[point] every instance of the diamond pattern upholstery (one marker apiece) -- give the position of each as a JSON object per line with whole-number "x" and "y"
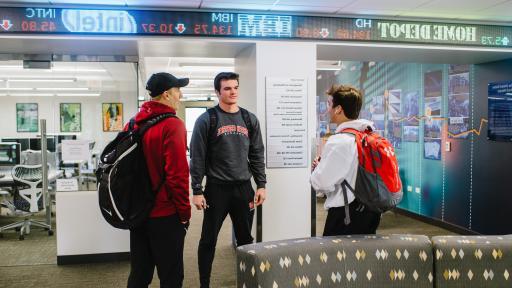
{"x": 344, "y": 261}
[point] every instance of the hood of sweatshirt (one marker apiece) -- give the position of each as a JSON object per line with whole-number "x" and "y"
{"x": 151, "y": 109}
{"x": 359, "y": 124}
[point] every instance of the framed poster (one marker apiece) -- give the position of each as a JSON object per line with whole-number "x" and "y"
{"x": 27, "y": 117}
{"x": 112, "y": 115}
{"x": 70, "y": 117}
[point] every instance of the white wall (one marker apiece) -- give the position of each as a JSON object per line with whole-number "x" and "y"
{"x": 287, "y": 210}
{"x": 92, "y": 127}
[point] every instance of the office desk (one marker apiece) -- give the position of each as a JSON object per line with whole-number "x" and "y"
{"x": 83, "y": 235}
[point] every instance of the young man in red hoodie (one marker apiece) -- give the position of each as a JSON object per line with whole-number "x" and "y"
{"x": 159, "y": 242}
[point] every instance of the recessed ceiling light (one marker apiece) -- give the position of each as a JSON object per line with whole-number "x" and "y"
{"x": 31, "y": 95}
{"x": 16, "y": 89}
{"x": 197, "y": 88}
{"x": 41, "y": 80}
{"x": 78, "y": 94}
{"x": 63, "y": 69}
{"x": 63, "y": 88}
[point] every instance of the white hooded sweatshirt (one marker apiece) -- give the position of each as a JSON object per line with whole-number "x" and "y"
{"x": 338, "y": 162}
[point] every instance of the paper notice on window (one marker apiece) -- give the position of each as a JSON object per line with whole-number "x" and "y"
{"x": 65, "y": 185}
{"x": 75, "y": 150}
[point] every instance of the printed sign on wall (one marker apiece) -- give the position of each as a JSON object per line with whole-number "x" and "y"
{"x": 286, "y": 108}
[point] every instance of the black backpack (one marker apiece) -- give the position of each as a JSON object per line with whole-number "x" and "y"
{"x": 124, "y": 187}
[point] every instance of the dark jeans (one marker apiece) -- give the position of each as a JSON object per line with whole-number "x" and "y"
{"x": 362, "y": 220}
{"x": 158, "y": 242}
{"x": 223, "y": 199}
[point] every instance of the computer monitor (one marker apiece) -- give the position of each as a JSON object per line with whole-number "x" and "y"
{"x": 35, "y": 144}
{"x": 51, "y": 144}
{"x": 24, "y": 142}
{"x": 10, "y": 154}
{"x": 65, "y": 137}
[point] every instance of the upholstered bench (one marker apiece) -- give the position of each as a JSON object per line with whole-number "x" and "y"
{"x": 473, "y": 261}
{"x": 345, "y": 261}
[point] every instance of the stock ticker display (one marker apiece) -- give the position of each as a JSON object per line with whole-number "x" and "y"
{"x": 245, "y": 25}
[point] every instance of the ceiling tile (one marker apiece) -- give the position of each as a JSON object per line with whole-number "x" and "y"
{"x": 385, "y": 5}
{"x": 325, "y": 3}
{"x": 305, "y": 9}
{"x": 456, "y": 7}
{"x": 235, "y": 5}
{"x": 503, "y": 9}
{"x": 164, "y": 3}
{"x": 241, "y": 3}
{"x": 374, "y": 12}
{"x": 89, "y": 2}
{"x": 24, "y": 1}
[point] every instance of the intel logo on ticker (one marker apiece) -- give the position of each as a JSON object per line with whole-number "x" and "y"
{"x": 98, "y": 21}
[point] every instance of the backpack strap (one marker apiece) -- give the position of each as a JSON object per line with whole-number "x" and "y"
{"x": 144, "y": 128}
{"x": 247, "y": 119}
{"x": 131, "y": 124}
{"x": 152, "y": 121}
{"x": 212, "y": 113}
{"x": 344, "y": 186}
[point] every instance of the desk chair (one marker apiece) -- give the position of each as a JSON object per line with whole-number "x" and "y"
{"x": 33, "y": 157}
{"x": 28, "y": 198}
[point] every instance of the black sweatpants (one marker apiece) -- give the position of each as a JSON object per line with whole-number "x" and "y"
{"x": 235, "y": 199}
{"x": 159, "y": 242}
{"x": 362, "y": 220}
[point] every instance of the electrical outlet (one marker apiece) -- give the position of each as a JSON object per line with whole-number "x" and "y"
{"x": 418, "y": 190}
{"x": 409, "y": 188}
{"x": 448, "y": 146}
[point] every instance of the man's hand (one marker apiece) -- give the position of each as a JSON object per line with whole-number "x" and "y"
{"x": 261, "y": 195}
{"x": 315, "y": 163}
{"x": 200, "y": 202}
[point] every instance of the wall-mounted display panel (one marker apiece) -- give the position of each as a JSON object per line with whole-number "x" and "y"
{"x": 38, "y": 20}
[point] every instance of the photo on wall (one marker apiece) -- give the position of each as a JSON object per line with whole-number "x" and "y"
{"x": 457, "y": 126}
{"x": 432, "y": 149}
{"x": 395, "y": 134}
{"x": 27, "y": 117}
{"x": 458, "y": 68}
{"x": 70, "y": 117}
{"x": 112, "y": 115}
{"x": 433, "y": 128}
{"x": 433, "y": 84}
{"x": 412, "y": 108}
{"x": 411, "y": 133}
{"x": 377, "y": 106}
{"x": 458, "y": 105}
{"x": 458, "y": 83}
{"x": 433, "y": 106}
{"x": 394, "y": 104}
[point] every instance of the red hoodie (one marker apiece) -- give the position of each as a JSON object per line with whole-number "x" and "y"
{"x": 165, "y": 148}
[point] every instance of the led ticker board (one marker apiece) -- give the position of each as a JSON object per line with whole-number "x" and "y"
{"x": 245, "y": 25}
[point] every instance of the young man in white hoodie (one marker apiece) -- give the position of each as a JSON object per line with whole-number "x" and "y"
{"x": 339, "y": 162}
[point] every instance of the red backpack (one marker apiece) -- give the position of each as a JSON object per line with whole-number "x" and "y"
{"x": 380, "y": 191}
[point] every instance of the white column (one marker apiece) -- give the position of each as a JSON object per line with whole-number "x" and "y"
{"x": 287, "y": 210}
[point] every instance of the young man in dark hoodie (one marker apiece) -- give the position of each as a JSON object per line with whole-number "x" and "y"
{"x": 159, "y": 242}
{"x": 228, "y": 152}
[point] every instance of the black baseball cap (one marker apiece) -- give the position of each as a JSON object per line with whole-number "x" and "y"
{"x": 160, "y": 82}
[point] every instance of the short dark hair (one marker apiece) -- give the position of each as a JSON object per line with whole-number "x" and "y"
{"x": 348, "y": 97}
{"x": 224, "y": 76}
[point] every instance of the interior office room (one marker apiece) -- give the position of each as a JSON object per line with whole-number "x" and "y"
{"x": 442, "y": 104}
